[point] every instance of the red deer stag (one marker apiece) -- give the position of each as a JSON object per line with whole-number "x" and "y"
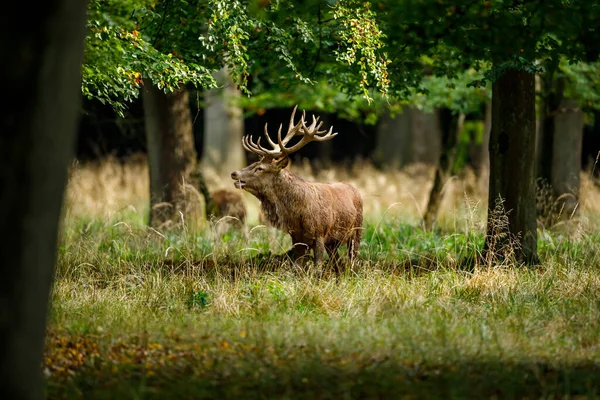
{"x": 317, "y": 216}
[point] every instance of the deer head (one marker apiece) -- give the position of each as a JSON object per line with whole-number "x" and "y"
{"x": 260, "y": 176}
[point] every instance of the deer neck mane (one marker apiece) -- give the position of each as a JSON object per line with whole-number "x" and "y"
{"x": 288, "y": 189}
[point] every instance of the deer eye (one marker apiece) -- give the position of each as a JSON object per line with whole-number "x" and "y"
{"x": 260, "y": 169}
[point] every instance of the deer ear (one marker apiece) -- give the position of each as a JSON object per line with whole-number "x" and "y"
{"x": 281, "y": 164}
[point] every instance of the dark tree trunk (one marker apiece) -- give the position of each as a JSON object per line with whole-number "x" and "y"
{"x": 552, "y": 90}
{"x": 450, "y": 126}
{"x": 479, "y": 151}
{"x": 590, "y": 155}
{"x": 566, "y": 157}
{"x": 483, "y": 173}
{"x": 391, "y": 148}
{"x": 41, "y": 69}
{"x": 512, "y": 161}
{"x": 171, "y": 155}
{"x": 425, "y": 137}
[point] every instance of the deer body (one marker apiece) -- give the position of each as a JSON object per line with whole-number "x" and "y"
{"x": 317, "y": 216}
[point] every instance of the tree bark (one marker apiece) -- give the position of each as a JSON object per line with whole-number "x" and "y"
{"x": 171, "y": 155}
{"x": 590, "y": 155}
{"x": 450, "y": 127}
{"x": 483, "y": 173}
{"x": 41, "y": 70}
{"x": 425, "y": 137}
{"x": 479, "y": 151}
{"x": 223, "y": 126}
{"x": 512, "y": 162}
{"x": 566, "y": 157}
{"x": 552, "y": 90}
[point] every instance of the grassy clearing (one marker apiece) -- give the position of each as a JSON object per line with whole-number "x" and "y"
{"x": 188, "y": 314}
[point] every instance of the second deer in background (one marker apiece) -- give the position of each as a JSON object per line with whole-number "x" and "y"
{"x": 223, "y": 207}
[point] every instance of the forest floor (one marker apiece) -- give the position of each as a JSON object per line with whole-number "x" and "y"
{"x": 197, "y": 313}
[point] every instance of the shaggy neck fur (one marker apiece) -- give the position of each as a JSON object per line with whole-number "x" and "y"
{"x": 288, "y": 189}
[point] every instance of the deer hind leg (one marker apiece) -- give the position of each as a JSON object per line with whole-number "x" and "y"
{"x": 354, "y": 243}
{"x": 334, "y": 257}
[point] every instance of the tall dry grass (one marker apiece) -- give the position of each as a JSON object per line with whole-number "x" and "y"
{"x": 103, "y": 189}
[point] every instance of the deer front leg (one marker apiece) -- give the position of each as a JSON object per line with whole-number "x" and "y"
{"x": 319, "y": 250}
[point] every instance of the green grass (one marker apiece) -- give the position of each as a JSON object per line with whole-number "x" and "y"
{"x": 140, "y": 314}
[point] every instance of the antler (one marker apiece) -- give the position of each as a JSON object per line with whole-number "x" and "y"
{"x": 309, "y": 134}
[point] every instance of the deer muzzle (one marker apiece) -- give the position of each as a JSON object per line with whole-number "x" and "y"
{"x": 235, "y": 175}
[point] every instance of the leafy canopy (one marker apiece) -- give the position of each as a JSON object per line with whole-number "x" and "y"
{"x": 175, "y": 42}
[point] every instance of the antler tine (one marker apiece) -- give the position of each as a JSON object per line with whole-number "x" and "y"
{"x": 293, "y": 129}
{"x": 291, "y": 125}
{"x": 247, "y": 144}
{"x": 330, "y": 134}
{"x": 255, "y": 148}
{"x": 313, "y": 129}
{"x": 309, "y": 134}
{"x": 271, "y": 143}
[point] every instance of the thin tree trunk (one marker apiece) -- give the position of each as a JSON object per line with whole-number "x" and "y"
{"x": 450, "y": 127}
{"x": 171, "y": 155}
{"x": 223, "y": 126}
{"x": 392, "y": 139}
{"x": 425, "y": 137}
{"x": 552, "y": 90}
{"x": 590, "y": 157}
{"x": 41, "y": 70}
{"x": 484, "y": 162}
{"x": 479, "y": 150}
{"x": 512, "y": 162}
{"x": 566, "y": 157}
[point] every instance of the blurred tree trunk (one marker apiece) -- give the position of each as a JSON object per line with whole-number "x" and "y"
{"x": 590, "y": 155}
{"x": 392, "y": 137}
{"x": 512, "y": 162}
{"x": 223, "y": 126}
{"x": 552, "y": 94}
{"x": 450, "y": 128}
{"x": 566, "y": 157}
{"x": 425, "y": 137}
{"x": 41, "y": 69}
{"x": 559, "y": 146}
{"x": 479, "y": 151}
{"x": 483, "y": 171}
{"x": 171, "y": 155}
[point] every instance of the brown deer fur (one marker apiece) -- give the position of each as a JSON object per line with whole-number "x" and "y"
{"x": 317, "y": 216}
